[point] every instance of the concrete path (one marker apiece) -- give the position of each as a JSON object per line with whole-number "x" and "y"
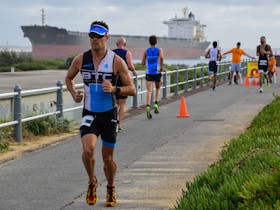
{"x": 155, "y": 157}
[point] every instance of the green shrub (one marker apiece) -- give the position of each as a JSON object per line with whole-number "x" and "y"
{"x": 7, "y": 58}
{"x": 24, "y": 62}
{"x": 5, "y": 69}
{"x": 48, "y": 125}
{"x": 5, "y": 136}
{"x": 29, "y": 66}
{"x": 67, "y": 63}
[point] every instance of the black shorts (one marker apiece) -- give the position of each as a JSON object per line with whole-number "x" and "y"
{"x": 263, "y": 65}
{"x": 101, "y": 123}
{"x": 263, "y": 68}
{"x": 213, "y": 67}
{"x": 153, "y": 77}
{"x": 118, "y": 96}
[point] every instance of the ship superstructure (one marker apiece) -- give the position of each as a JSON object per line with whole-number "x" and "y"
{"x": 186, "y": 27}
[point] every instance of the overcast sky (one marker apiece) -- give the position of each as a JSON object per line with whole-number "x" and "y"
{"x": 227, "y": 21}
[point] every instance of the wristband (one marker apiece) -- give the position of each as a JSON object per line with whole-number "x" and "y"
{"x": 118, "y": 90}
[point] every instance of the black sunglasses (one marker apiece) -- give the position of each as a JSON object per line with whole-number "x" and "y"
{"x": 95, "y": 35}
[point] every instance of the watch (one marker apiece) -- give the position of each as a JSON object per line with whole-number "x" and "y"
{"x": 118, "y": 90}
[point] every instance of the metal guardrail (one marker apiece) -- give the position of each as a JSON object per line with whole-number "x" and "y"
{"x": 180, "y": 80}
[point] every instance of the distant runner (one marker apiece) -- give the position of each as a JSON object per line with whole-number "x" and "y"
{"x": 272, "y": 69}
{"x": 263, "y": 51}
{"x": 153, "y": 59}
{"x": 237, "y": 52}
{"x": 214, "y": 55}
{"x": 127, "y": 57}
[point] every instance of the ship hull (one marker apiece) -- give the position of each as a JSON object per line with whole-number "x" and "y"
{"x": 53, "y": 42}
{"x": 65, "y": 51}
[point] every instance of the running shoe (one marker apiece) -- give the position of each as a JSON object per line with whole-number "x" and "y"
{"x": 148, "y": 112}
{"x": 268, "y": 84}
{"x": 156, "y": 108}
{"x": 111, "y": 200}
{"x": 261, "y": 90}
{"x": 229, "y": 83}
{"x": 91, "y": 197}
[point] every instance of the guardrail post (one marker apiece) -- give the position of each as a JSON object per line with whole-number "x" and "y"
{"x": 222, "y": 71}
{"x": 17, "y": 114}
{"x": 246, "y": 67}
{"x": 226, "y": 70}
{"x": 186, "y": 75}
{"x": 59, "y": 99}
{"x": 164, "y": 91}
{"x": 135, "y": 98}
{"x": 201, "y": 76}
{"x": 176, "y": 80}
{"x": 194, "y": 77}
{"x": 218, "y": 72}
{"x": 229, "y": 69}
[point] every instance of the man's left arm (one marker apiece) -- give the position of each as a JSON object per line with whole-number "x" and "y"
{"x": 161, "y": 57}
{"x": 128, "y": 88}
{"x": 269, "y": 52}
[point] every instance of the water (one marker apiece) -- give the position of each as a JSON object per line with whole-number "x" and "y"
{"x": 187, "y": 62}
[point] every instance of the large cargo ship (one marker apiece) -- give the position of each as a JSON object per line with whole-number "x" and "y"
{"x": 185, "y": 40}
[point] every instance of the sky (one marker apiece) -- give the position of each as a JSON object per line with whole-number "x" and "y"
{"x": 227, "y": 21}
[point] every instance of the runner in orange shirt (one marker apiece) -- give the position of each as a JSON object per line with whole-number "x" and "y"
{"x": 236, "y": 61}
{"x": 271, "y": 67}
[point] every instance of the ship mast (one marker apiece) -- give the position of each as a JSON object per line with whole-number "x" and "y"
{"x": 185, "y": 12}
{"x": 43, "y": 16}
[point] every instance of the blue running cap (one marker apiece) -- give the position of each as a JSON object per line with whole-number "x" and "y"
{"x": 98, "y": 29}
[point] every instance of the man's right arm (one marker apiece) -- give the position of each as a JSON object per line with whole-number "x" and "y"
{"x": 258, "y": 50}
{"x": 161, "y": 57}
{"x": 69, "y": 79}
{"x": 227, "y": 52}
{"x": 144, "y": 59}
{"x": 207, "y": 54}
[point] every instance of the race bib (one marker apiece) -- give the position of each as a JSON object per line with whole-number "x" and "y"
{"x": 87, "y": 120}
{"x": 263, "y": 63}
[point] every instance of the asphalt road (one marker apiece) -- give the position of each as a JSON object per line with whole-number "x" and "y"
{"x": 155, "y": 157}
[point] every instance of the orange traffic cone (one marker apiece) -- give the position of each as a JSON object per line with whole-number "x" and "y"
{"x": 254, "y": 82}
{"x": 247, "y": 82}
{"x": 183, "y": 112}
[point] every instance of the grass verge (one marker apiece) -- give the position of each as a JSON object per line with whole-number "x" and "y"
{"x": 248, "y": 174}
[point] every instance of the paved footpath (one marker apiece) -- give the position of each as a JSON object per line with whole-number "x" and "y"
{"x": 155, "y": 157}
